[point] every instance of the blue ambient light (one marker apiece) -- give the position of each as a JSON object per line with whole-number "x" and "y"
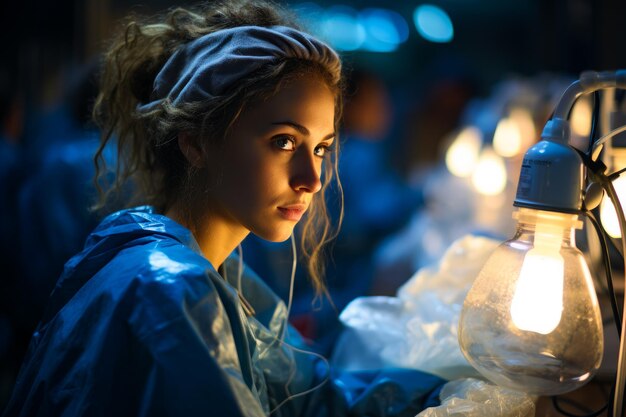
{"x": 433, "y": 23}
{"x": 385, "y": 29}
{"x": 342, "y": 28}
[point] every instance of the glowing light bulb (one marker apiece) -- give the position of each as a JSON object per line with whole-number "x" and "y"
{"x": 531, "y": 321}
{"x": 489, "y": 177}
{"x": 507, "y": 139}
{"x": 538, "y": 301}
{"x": 608, "y": 216}
{"x": 462, "y": 155}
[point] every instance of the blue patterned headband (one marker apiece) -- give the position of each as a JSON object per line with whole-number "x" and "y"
{"x": 207, "y": 66}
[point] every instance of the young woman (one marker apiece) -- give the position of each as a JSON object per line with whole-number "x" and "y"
{"x": 225, "y": 118}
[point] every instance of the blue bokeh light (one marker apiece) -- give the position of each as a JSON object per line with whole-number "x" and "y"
{"x": 433, "y": 23}
{"x": 348, "y": 29}
{"x": 342, "y": 28}
{"x": 385, "y": 29}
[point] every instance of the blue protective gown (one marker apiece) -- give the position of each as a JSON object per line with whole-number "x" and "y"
{"x": 141, "y": 324}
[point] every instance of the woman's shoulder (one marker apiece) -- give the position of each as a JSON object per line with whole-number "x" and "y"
{"x": 133, "y": 256}
{"x": 166, "y": 272}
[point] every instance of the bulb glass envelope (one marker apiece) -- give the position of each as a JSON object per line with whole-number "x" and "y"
{"x": 540, "y": 333}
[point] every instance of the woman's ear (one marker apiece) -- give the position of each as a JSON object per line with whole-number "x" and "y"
{"x": 191, "y": 150}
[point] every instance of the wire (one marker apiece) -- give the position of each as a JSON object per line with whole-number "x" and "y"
{"x": 594, "y": 121}
{"x": 239, "y": 267}
{"x": 248, "y": 309}
{"x": 293, "y": 348}
{"x": 620, "y": 380}
{"x": 616, "y": 174}
{"x": 608, "y": 136}
{"x": 310, "y": 390}
{"x": 616, "y": 245}
{"x": 294, "y": 263}
{"x": 605, "y": 182}
{"x": 582, "y": 408}
{"x": 245, "y": 304}
{"x": 557, "y": 407}
{"x": 292, "y": 280}
{"x": 606, "y": 261}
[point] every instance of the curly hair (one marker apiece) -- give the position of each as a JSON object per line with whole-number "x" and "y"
{"x": 148, "y": 155}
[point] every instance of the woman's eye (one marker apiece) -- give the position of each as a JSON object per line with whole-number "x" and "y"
{"x": 322, "y": 150}
{"x": 286, "y": 143}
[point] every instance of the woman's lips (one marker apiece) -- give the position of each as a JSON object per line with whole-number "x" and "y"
{"x": 292, "y": 212}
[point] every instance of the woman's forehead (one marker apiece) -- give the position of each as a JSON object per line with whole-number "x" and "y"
{"x": 302, "y": 101}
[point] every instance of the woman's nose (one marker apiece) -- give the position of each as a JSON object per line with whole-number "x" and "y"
{"x": 306, "y": 172}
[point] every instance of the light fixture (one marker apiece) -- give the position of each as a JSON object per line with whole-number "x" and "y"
{"x": 531, "y": 321}
{"x": 507, "y": 139}
{"x": 462, "y": 155}
{"x": 489, "y": 176}
{"x": 523, "y": 119}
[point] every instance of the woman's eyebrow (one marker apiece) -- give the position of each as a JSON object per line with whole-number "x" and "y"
{"x": 301, "y": 129}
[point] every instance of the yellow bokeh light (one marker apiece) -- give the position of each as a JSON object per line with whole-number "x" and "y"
{"x": 462, "y": 155}
{"x": 489, "y": 177}
{"x": 507, "y": 139}
{"x": 580, "y": 118}
{"x": 526, "y": 125}
{"x": 608, "y": 216}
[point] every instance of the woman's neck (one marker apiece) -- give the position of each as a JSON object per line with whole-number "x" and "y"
{"x": 216, "y": 236}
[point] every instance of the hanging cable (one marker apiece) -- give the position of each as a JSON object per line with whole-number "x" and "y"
{"x": 594, "y": 122}
{"x": 293, "y": 348}
{"x": 606, "y": 261}
{"x": 608, "y": 136}
{"x": 294, "y": 263}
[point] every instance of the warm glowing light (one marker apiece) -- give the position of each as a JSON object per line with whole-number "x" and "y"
{"x": 531, "y": 303}
{"x": 489, "y": 177}
{"x": 525, "y": 124}
{"x": 538, "y": 300}
{"x": 462, "y": 155}
{"x": 580, "y": 119}
{"x": 507, "y": 139}
{"x": 433, "y": 23}
{"x": 608, "y": 216}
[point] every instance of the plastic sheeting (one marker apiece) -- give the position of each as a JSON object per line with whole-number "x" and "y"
{"x": 418, "y": 328}
{"x": 140, "y": 323}
{"x": 476, "y": 398}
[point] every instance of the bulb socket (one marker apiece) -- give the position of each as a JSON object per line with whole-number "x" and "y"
{"x": 551, "y": 177}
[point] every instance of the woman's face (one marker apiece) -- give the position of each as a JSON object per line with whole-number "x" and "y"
{"x": 272, "y": 159}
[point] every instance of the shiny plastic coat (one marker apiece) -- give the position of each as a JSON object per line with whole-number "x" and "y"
{"x": 141, "y": 324}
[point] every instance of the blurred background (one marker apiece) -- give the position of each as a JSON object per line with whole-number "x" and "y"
{"x": 443, "y": 97}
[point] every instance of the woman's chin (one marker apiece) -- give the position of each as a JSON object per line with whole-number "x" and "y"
{"x": 278, "y": 234}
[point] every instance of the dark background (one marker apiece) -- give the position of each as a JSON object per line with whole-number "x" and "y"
{"x": 492, "y": 38}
